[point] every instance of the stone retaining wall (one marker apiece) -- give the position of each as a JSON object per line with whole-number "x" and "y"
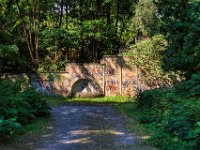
{"x": 111, "y": 77}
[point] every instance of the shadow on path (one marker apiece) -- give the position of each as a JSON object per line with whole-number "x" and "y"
{"x": 82, "y": 128}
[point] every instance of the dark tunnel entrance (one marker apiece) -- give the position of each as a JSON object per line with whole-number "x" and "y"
{"x": 86, "y": 88}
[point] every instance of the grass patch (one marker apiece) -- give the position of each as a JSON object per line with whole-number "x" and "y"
{"x": 101, "y": 100}
{"x": 36, "y": 126}
{"x": 129, "y": 110}
{"x": 59, "y": 100}
{"x": 55, "y": 100}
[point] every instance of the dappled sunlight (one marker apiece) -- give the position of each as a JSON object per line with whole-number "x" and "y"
{"x": 68, "y": 112}
{"x": 50, "y": 127}
{"x": 88, "y": 132}
{"x": 85, "y": 127}
{"x": 73, "y": 110}
{"x": 115, "y": 132}
{"x": 47, "y": 135}
{"x": 102, "y": 126}
{"x": 95, "y": 115}
{"x": 146, "y": 137}
{"x": 111, "y": 118}
{"x": 76, "y": 141}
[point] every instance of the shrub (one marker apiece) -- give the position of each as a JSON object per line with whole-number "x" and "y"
{"x": 181, "y": 130}
{"x": 149, "y": 98}
{"x": 189, "y": 88}
{"x": 146, "y": 56}
{"x": 176, "y": 119}
{"x": 184, "y": 121}
{"x": 38, "y": 105}
{"x": 8, "y": 126}
{"x": 152, "y": 104}
{"x": 19, "y": 104}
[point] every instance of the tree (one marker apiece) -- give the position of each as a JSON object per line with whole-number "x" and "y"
{"x": 145, "y": 19}
{"x": 145, "y": 55}
{"x": 180, "y": 24}
{"x": 50, "y": 33}
{"x": 143, "y": 23}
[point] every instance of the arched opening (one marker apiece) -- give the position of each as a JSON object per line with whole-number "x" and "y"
{"x": 86, "y": 88}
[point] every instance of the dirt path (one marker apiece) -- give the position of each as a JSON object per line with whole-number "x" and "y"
{"x": 82, "y": 128}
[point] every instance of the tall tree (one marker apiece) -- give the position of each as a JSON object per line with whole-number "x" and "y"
{"x": 180, "y": 24}
{"x": 146, "y": 19}
{"x": 49, "y": 31}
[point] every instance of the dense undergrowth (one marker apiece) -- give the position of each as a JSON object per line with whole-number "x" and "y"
{"x": 20, "y": 105}
{"x": 173, "y": 115}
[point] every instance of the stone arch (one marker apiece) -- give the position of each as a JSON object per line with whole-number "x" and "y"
{"x": 86, "y": 88}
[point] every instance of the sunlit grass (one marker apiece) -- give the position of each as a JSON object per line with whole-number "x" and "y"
{"x": 106, "y": 99}
{"x": 129, "y": 110}
{"x": 59, "y": 100}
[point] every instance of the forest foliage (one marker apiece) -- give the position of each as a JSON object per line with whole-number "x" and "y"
{"x": 47, "y": 34}
{"x": 19, "y": 105}
{"x": 163, "y": 38}
{"x": 146, "y": 56}
{"x": 173, "y": 113}
{"x": 44, "y": 35}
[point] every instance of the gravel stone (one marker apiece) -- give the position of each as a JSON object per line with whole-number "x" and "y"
{"x": 82, "y": 127}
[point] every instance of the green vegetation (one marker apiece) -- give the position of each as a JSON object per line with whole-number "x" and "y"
{"x": 171, "y": 112}
{"x": 101, "y": 100}
{"x": 173, "y": 118}
{"x": 145, "y": 55}
{"x": 55, "y": 100}
{"x": 58, "y": 100}
{"x": 163, "y": 38}
{"x": 37, "y": 126}
{"x": 129, "y": 110}
{"x": 19, "y": 106}
{"x": 180, "y": 24}
{"x": 189, "y": 88}
{"x": 49, "y": 33}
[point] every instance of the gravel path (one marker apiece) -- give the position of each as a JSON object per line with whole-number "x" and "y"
{"x": 82, "y": 128}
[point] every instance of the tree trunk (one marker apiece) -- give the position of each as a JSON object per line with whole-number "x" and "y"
{"x": 108, "y": 13}
{"x": 61, "y": 13}
{"x": 67, "y": 13}
{"x": 26, "y": 33}
{"x": 123, "y": 27}
{"x": 98, "y": 8}
{"x": 36, "y": 28}
{"x": 81, "y": 54}
{"x": 117, "y": 18}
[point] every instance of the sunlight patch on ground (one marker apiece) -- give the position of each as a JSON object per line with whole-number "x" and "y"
{"x": 81, "y": 140}
{"x": 85, "y": 132}
{"x": 145, "y": 137}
